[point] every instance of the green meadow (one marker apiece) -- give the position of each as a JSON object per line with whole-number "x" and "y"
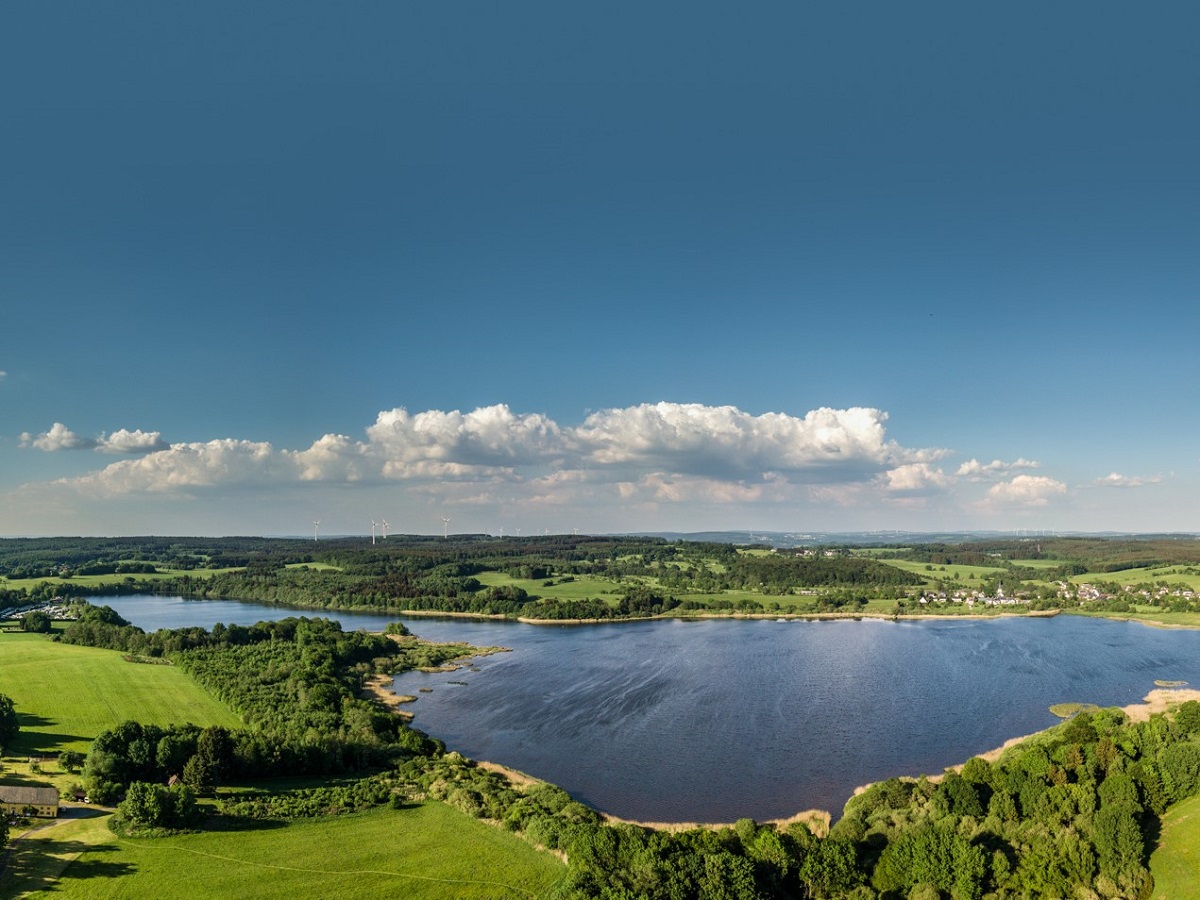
{"x": 97, "y": 581}
{"x": 1185, "y": 575}
{"x": 582, "y": 588}
{"x": 1176, "y": 861}
{"x": 425, "y": 852}
{"x": 933, "y": 573}
{"x": 65, "y": 695}
{"x": 1037, "y": 563}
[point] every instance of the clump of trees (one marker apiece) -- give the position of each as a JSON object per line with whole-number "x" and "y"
{"x": 10, "y": 725}
{"x": 296, "y": 683}
{"x": 155, "y": 809}
{"x": 37, "y": 621}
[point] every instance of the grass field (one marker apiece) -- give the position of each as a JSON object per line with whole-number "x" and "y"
{"x": 1175, "y": 864}
{"x": 583, "y": 587}
{"x": 427, "y": 852}
{"x": 1170, "y": 574}
{"x": 943, "y": 573}
{"x": 66, "y": 695}
{"x": 105, "y": 580}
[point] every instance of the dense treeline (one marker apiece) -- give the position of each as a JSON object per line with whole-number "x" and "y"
{"x": 434, "y": 574}
{"x": 1071, "y": 813}
{"x": 1078, "y": 554}
{"x": 296, "y": 683}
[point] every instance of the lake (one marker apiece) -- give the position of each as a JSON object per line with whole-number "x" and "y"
{"x": 719, "y": 719}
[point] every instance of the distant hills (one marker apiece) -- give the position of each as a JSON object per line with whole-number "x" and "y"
{"x": 824, "y": 538}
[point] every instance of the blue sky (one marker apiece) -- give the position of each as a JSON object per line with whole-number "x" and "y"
{"x": 631, "y": 267}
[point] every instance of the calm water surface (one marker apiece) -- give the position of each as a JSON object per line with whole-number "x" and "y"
{"x": 714, "y": 720}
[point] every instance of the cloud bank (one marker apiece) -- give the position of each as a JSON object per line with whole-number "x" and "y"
{"x": 631, "y": 460}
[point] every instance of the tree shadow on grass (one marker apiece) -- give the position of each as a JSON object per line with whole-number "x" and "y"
{"x": 216, "y": 822}
{"x": 43, "y": 740}
{"x": 27, "y": 869}
{"x": 98, "y": 868}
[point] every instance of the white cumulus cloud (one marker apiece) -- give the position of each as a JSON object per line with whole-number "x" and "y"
{"x": 59, "y": 437}
{"x": 1113, "y": 479}
{"x": 720, "y": 441}
{"x": 208, "y": 464}
{"x": 915, "y": 478}
{"x": 125, "y": 441}
{"x": 489, "y": 436}
{"x": 1026, "y": 490}
{"x": 974, "y": 470}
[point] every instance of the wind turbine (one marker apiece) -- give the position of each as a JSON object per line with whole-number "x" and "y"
{"x": 372, "y": 532}
{"x": 316, "y": 525}
{"x": 385, "y": 528}
{"x": 445, "y": 526}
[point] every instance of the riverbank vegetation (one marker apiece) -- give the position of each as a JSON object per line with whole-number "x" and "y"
{"x": 582, "y": 578}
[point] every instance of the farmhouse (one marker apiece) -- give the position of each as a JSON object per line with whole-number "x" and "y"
{"x": 29, "y": 801}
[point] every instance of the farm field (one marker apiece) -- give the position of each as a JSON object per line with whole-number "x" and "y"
{"x": 1186, "y": 575}
{"x": 1037, "y": 563}
{"x": 425, "y": 852}
{"x": 1175, "y": 862}
{"x": 78, "y": 692}
{"x": 96, "y": 581}
{"x": 943, "y": 573}
{"x": 583, "y": 587}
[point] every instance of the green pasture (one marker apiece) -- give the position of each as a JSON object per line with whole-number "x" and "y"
{"x": 426, "y": 852}
{"x": 1185, "y": 575}
{"x": 315, "y": 566}
{"x": 583, "y": 587}
{"x": 946, "y": 572}
{"x": 96, "y": 581}
{"x": 1039, "y": 563}
{"x": 1175, "y": 863}
{"x": 65, "y": 695}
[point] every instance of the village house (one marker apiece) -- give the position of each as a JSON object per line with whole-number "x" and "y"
{"x": 29, "y": 801}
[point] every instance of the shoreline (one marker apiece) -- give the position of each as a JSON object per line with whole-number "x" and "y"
{"x": 1157, "y": 700}
{"x": 702, "y": 615}
{"x": 819, "y": 821}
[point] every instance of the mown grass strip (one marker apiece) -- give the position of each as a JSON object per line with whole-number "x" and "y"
{"x": 1175, "y": 865}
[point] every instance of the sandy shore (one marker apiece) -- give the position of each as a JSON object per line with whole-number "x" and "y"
{"x": 379, "y": 689}
{"x": 817, "y": 820}
{"x": 1159, "y": 700}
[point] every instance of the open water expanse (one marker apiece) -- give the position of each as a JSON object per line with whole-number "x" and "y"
{"x": 719, "y": 719}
